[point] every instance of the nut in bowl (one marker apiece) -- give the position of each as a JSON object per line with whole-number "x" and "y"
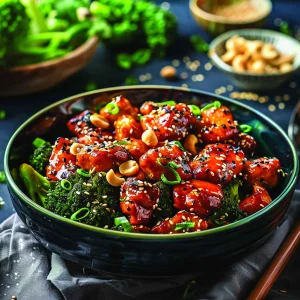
{"x": 256, "y": 59}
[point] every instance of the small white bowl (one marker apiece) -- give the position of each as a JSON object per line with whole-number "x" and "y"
{"x": 251, "y": 81}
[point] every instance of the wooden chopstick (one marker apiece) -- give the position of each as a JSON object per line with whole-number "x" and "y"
{"x": 277, "y": 265}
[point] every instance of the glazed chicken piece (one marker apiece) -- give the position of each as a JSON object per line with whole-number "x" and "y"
{"x": 101, "y": 157}
{"x": 263, "y": 172}
{"x": 200, "y": 197}
{"x": 80, "y": 124}
{"x": 138, "y": 199}
{"x": 95, "y": 136}
{"x": 61, "y": 163}
{"x": 167, "y": 153}
{"x": 124, "y": 107}
{"x": 218, "y": 163}
{"x": 169, "y": 122}
{"x": 169, "y": 225}
{"x": 245, "y": 142}
{"x": 135, "y": 147}
{"x": 147, "y": 107}
{"x": 216, "y": 125}
{"x": 255, "y": 202}
{"x": 126, "y": 127}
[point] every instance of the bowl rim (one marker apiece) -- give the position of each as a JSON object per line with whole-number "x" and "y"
{"x": 226, "y": 35}
{"x": 150, "y": 236}
{"x": 89, "y": 43}
{"x": 201, "y": 13}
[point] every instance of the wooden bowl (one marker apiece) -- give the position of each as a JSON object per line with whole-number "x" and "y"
{"x": 216, "y": 24}
{"x": 38, "y": 77}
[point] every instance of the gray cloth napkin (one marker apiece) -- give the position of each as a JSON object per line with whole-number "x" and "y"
{"x": 29, "y": 271}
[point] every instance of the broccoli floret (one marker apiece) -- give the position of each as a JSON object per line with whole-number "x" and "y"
{"x": 229, "y": 211}
{"x": 165, "y": 207}
{"x": 36, "y": 186}
{"x": 40, "y": 158}
{"x": 93, "y": 192}
{"x": 14, "y": 25}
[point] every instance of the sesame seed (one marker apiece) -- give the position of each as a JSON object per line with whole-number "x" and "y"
{"x": 171, "y": 222}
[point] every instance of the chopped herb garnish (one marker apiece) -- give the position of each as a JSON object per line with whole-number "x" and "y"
{"x": 78, "y": 212}
{"x": 184, "y": 225}
{"x": 199, "y": 44}
{"x": 112, "y": 108}
{"x": 195, "y": 109}
{"x": 169, "y": 102}
{"x": 2, "y": 114}
{"x": 66, "y": 184}
{"x": 131, "y": 80}
{"x": 284, "y": 27}
{"x": 177, "y": 143}
{"x": 38, "y": 142}
{"x": 124, "y": 61}
{"x": 171, "y": 166}
{"x": 91, "y": 86}
{"x": 83, "y": 173}
{"x": 245, "y": 128}
{"x": 2, "y": 177}
{"x": 124, "y": 223}
{"x": 121, "y": 143}
{"x": 216, "y": 104}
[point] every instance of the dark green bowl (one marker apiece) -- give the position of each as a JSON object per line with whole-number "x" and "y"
{"x": 149, "y": 254}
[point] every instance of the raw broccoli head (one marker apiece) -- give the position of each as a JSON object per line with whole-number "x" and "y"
{"x": 40, "y": 157}
{"x": 229, "y": 211}
{"x": 94, "y": 193}
{"x": 36, "y": 186}
{"x": 165, "y": 207}
{"x": 14, "y": 25}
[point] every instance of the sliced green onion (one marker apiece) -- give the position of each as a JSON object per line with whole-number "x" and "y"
{"x": 124, "y": 223}
{"x": 38, "y": 142}
{"x": 74, "y": 216}
{"x": 83, "y": 173}
{"x": 245, "y": 128}
{"x": 171, "y": 166}
{"x": 2, "y": 114}
{"x": 169, "y": 102}
{"x": 190, "y": 290}
{"x": 195, "y": 109}
{"x": 177, "y": 143}
{"x": 121, "y": 143}
{"x": 112, "y": 108}
{"x": 184, "y": 225}
{"x": 140, "y": 117}
{"x": 216, "y": 104}
{"x": 66, "y": 184}
{"x": 2, "y": 177}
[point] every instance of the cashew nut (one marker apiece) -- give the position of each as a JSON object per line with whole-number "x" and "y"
{"x": 99, "y": 121}
{"x": 258, "y": 67}
{"x": 129, "y": 168}
{"x": 286, "y": 67}
{"x": 282, "y": 59}
{"x": 228, "y": 56}
{"x": 268, "y": 51}
{"x": 190, "y": 144}
{"x": 230, "y": 43}
{"x": 149, "y": 138}
{"x": 74, "y": 149}
{"x": 238, "y": 63}
{"x": 113, "y": 179}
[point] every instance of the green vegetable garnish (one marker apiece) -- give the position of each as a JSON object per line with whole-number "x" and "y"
{"x": 131, "y": 80}
{"x": 2, "y": 177}
{"x": 124, "y": 223}
{"x": 199, "y": 44}
{"x": 66, "y": 184}
{"x": 171, "y": 166}
{"x": 177, "y": 143}
{"x": 38, "y": 142}
{"x": 184, "y": 225}
{"x": 216, "y": 104}
{"x": 195, "y": 109}
{"x": 79, "y": 211}
{"x": 2, "y": 113}
{"x": 112, "y": 108}
{"x": 245, "y": 128}
{"x": 91, "y": 86}
{"x": 83, "y": 173}
{"x": 284, "y": 27}
{"x": 169, "y": 102}
{"x": 121, "y": 143}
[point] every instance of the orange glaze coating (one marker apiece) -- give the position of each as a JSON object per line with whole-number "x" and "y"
{"x": 218, "y": 163}
{"x": 147, "y": 107}
{"x": 169, "y": 122}
{"x": 126, "y": 126}
{"x": 135, "y": 147}
{"x": 125, "y": 108}
{"x": 263, "y": 172}
{"x": 61, "y": 162}
{"x": 96, "y": 136}
{"x": 138, "y": 199}
{"x": 200, "y": 197}
{"x": 101, "y": 158}
{"x": 167, "y": 153}
{"x": 80, "y": 123}
{"x": 257, "y": 201}
{"x": 245, "y": 142}
{"x": 169, "y": 225}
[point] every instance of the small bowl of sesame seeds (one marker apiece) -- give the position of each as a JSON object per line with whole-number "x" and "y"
{"x": 240, "y": 67}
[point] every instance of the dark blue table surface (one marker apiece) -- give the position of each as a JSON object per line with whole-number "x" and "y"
{"x": 103, "y": 71}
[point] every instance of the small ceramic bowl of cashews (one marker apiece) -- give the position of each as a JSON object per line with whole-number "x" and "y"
{"x": 256, "y": 59}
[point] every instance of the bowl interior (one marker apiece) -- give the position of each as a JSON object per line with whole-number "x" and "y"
{"x": 283, "y": 43}
{"x": 50, "y": 123}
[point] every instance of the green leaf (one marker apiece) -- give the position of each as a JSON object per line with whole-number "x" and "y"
{"x": 141, "y": 57}
{"x": 124, "y": 61}
{"x": 199, "y": 44}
